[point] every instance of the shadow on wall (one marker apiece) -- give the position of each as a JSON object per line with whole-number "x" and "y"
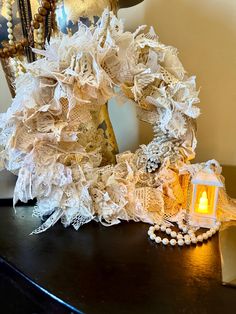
{"x": 129, "y": 130}
{"x": 204, "y": 32}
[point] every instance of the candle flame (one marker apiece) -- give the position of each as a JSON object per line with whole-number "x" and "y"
{"x": 203, "y": 203}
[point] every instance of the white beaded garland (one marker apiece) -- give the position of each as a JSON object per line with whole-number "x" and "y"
{"x": 180, "y": 242}
{"x": 157, "y": 227}
{"x": 187, "y": 236}
{"x": 173, "y": 242}
{"x": 209, "y": 233}
{"x": 199, "y": 238}
{"x": 158, "y": 240}
{"x": 9, "y": 21}
{"x": 8, "y": 5}
{"x": 187, "y": 241}
{"x": 165, "y": 241}
{"x": 39, "y": 37}
{"x": 168, "y": 231}
{"x": 152, "y": 237}
{"x": 163, "y": 228}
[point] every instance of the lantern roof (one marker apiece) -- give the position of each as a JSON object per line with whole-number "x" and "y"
{"x": 207, "y": 178}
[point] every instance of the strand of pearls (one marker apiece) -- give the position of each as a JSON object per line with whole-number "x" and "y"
{"x": 9, "y": 21}
{"x": 11, "y": 49}
{"x": 17, "y": 48}
{"x": 18, "y": 67}
{"x": 186, "y": 237}
{"x": 39, "y": 40}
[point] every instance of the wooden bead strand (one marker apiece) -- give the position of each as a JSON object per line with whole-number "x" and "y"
{"x": 43, "y": 11}
{"x": 53, "y": 15}
{"x": 12, "y": 48}
{"x": 37, "y": 24}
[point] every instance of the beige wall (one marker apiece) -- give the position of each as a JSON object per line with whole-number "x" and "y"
{"x": 204, "y": 31}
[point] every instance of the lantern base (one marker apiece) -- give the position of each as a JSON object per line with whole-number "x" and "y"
{"x": 196, "y": 220}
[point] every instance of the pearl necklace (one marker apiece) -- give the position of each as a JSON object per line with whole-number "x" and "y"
{"x": 186, "y": 237}
{"x": 11, "y": 49}
{"x": 16, "y": 49}
{"x": 9, "y": 21}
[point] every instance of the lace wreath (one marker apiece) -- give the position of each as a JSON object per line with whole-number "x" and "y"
{"x": 51, "y": 143}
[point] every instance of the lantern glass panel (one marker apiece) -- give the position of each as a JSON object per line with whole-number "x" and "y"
{"x": 204, "y": 202}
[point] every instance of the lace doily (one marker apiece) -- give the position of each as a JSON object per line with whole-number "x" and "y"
{"x": 51, "y": 143}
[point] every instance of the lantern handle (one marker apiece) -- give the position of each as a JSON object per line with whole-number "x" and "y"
{"x": 213, "y": 166}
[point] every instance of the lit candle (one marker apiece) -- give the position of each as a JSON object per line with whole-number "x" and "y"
{"x": 203, "y": 203}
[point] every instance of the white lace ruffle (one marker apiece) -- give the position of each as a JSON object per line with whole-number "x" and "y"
{"x": 51, "y": 142}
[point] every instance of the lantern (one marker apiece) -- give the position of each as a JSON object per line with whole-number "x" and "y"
{"x": 204, "y": 199}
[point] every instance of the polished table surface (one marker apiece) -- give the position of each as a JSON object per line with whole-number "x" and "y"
{"x": 112, "y": 270}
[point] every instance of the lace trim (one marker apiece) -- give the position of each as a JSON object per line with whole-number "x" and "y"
{"x": 51, "y": 140}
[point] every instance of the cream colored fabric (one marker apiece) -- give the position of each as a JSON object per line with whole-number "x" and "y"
{"x": 50, "y": 141}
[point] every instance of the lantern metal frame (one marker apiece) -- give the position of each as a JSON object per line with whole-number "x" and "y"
{"x": 208, "y": 180}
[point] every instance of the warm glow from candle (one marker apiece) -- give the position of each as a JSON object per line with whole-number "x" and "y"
{"x": 203, "y": 203}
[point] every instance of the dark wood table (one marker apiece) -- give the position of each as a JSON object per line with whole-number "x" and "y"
{"x": 105, "y": 270}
